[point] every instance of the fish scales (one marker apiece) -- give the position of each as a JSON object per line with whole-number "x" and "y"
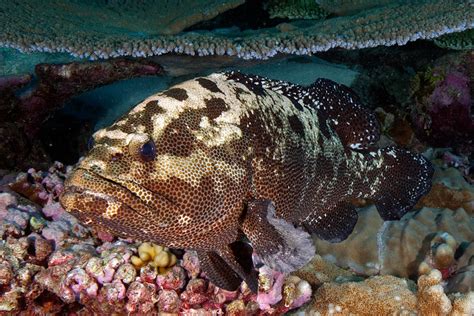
{"x": 231, "y": 161}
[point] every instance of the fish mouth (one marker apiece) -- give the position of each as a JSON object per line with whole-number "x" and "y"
{"x": 81, "y": 185}
{"x": 85, "y": 184}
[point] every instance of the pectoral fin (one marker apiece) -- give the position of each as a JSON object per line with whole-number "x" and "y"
{"x": 228, "y": 266}
{"x": 277, "y": 243}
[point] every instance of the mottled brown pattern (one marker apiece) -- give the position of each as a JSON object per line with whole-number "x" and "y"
{"x": 176, "y": 93}
{"x": 221, "y": 151}
{"x": 154, "y": 107}
{"x": 215, "y": 107}
{"x": 176, "y": 139}
{"x": 209, "y": 85}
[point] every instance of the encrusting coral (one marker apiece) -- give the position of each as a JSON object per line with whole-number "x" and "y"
{"x": 441, "y": 111}
{"x": 392, "y": 24}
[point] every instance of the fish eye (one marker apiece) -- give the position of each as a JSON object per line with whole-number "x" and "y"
{"x": 148, "y": 151}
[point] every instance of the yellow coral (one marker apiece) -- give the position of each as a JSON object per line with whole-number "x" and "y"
{"x": 155, "y": 255}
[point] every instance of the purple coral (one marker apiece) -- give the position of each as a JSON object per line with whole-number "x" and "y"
{"x": 443, "y": 115}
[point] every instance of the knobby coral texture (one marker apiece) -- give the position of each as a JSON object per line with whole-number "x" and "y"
{"x": 133, "y": 29}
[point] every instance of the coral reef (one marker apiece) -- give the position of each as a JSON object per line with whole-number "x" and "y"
{"x": 442, "y": 103}
{"x": 388, "y": 295}
{"x": 50, "y": 264}
{"x": 396, "y": 247}
{"x": 393, "y": 24}
{"x": 25, "y": 111}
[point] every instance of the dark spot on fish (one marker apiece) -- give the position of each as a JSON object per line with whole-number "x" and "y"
{"x": 215, "y": 107}
{"x": 239, "y": 92}
{"x": 209, "y": 85}
{"x": 153, "y": 106}
{"x": 296, "y": 125}
{"x": 278, "y": 122}
{"x": 296, "y": 103}
{"x": 176, "y": 93}
{"x": 177, "y": 138}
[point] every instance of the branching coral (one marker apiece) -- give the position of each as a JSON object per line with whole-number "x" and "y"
{"x": 393, "y": 24}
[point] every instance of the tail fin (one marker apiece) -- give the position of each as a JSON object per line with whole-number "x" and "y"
{"x": 405, "y": 177}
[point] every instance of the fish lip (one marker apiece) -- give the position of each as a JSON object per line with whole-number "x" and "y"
{"x": 80, "y": 190}
{"x": 71, "y": 188}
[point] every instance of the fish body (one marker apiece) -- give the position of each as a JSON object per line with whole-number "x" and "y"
{"x": 218, "y": 160}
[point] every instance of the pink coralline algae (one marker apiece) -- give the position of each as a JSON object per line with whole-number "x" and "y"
{"x": 50, "y": 263}
{"x": 443, "y": 114}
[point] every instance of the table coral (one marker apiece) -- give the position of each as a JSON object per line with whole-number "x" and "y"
{"x": 392, "y": 24}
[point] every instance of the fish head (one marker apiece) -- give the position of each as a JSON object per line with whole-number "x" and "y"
{"x": 169, "y": 171}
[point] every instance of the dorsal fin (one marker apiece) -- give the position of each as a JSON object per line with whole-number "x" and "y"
{"x": 356, "y": 126}
{"x": 256, "y": 84}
